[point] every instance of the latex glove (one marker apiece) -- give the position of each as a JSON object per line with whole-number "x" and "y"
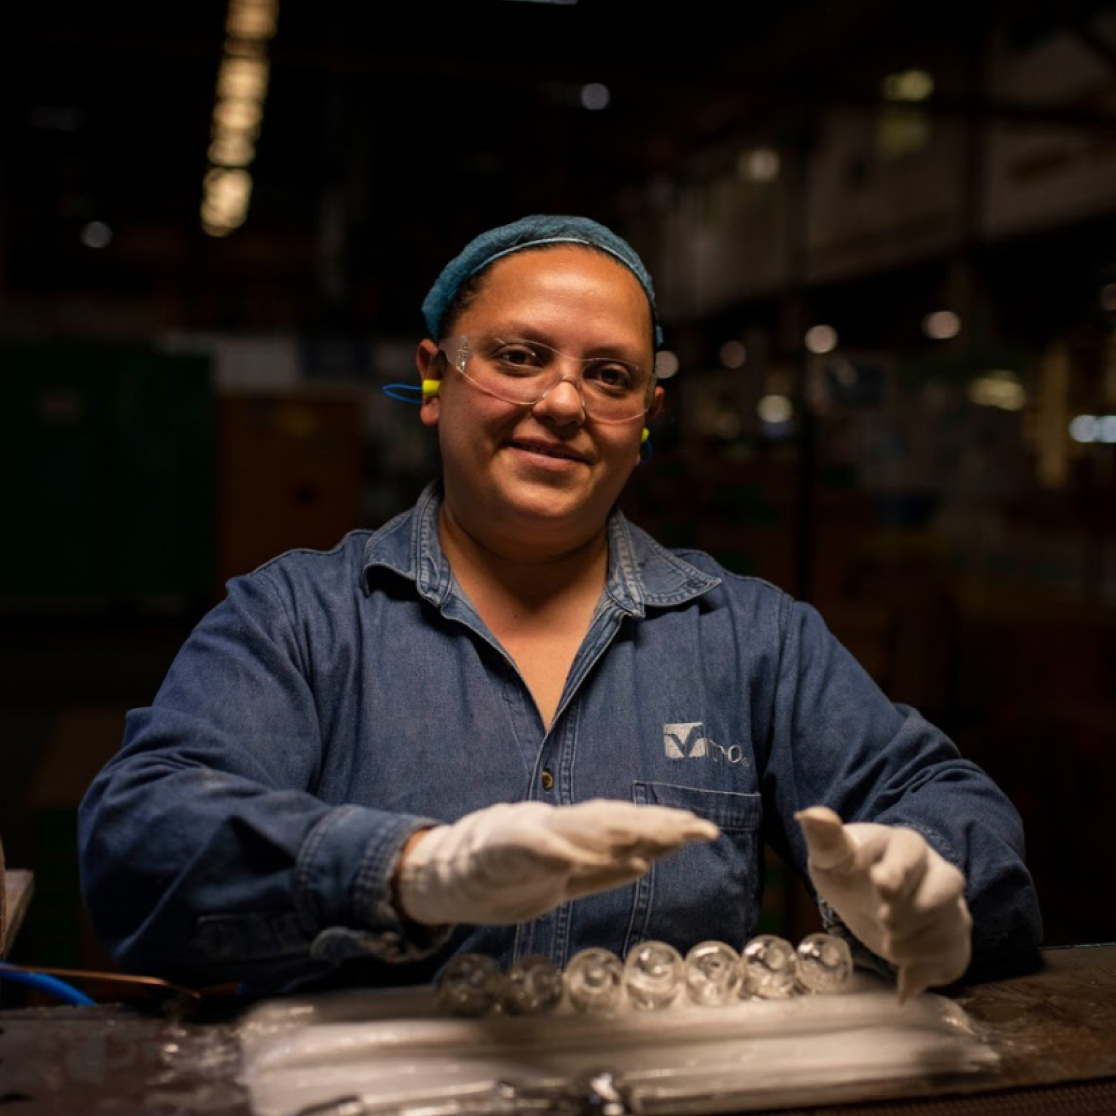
{"x": 515, "y": 861}
{"x": 895, "y": 893}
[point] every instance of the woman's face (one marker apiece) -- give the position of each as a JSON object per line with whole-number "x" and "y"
{"x": 545, "y": 475}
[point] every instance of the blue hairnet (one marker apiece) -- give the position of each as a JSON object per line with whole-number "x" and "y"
{"x": 531, "y": 232}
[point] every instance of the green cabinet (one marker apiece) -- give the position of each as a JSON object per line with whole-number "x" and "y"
{"x": 107, "y": 489}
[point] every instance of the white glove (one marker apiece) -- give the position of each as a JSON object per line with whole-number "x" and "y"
{"x": 895, "y": 893}
{"x": 514, "y": 861}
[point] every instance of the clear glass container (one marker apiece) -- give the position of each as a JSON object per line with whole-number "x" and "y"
{"x": 825, "y": 963}
{"x": 595, "y": 981}
{"x": 471, "y": 984}
{"x": 713, "y": 974}
{"x": 654, "y": 974}
{"x": 532, "y": 986}
{"x": 769, "y": 964}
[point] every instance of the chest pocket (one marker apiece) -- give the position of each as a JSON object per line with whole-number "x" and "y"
{"x": 706, "y": 890}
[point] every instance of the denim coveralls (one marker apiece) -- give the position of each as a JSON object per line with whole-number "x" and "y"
{"x": 335, "y": 702}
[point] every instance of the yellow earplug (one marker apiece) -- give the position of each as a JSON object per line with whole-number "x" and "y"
{"x": 430, "y": 388}
{"x": 644, "y": 435}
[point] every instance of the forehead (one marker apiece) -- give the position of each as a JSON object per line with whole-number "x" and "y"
{"x": 564, "y": 287}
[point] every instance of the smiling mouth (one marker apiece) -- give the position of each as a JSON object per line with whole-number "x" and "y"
{"x": 548, "y": 451}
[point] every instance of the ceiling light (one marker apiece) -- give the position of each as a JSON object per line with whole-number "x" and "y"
{"x": 998, "y": 388}
{"x": 774, "y": 409}
{"x": 821, "y": 339}
{"x": 733, "y": 354}
{"x": 242, "y": 80}
{"x": 758, "y": 165}
{"x": 96, "y": 234}
{"x": 910, "y": 85}
{"x": 941, "y": 325}
{"x": 1093, "y": 428}
{"x": 227, "y": 193}
{"x": 595, "y": 96}
{"x": 666, "y": 364}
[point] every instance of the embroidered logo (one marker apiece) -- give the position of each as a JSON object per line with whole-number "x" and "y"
{"x": 687, "y": 740}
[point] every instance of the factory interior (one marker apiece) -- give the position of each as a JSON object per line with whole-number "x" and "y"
{"x": 883, "y": 240}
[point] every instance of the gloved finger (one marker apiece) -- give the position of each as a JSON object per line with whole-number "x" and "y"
{"x": 583, "y": 854}
{"x": 654, "y": 850}
{"x": 946, "y": 930}
{"x": 666, "y": 828}
{"x": 912, "y": 935}
{"x": 912, "y": 981}
{"x": 619, "y": 875}
{"x": 917, "y": 977}
{"x": 902, "y": 866}
{"x": 942, "y": 886}
{"x": 560, "y": 839}
{"x": 620, "y": 821}
{"x": 626, "y": 826}
{"x": 938, "y": 887}
{"x": 549, "y": 848}
{"x": 828, "y": 845}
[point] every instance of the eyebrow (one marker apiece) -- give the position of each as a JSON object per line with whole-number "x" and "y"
{"x": 521, "y": 332}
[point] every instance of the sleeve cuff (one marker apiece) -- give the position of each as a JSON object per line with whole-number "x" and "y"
{"x": 343, "y": 888}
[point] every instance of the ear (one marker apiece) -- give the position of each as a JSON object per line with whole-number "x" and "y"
{"x": 429, "y": 368}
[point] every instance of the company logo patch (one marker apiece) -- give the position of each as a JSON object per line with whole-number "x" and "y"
{"x": 685, "y": 740}
{"x": 688, "y": 740}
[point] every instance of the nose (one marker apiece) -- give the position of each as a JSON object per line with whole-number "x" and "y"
{"x": 563, "y": 402}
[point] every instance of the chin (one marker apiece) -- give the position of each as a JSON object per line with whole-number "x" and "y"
{"x": 551, "y": 509}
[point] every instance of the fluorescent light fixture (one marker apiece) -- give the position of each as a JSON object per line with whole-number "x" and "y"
{"x": 910, "y": 85}
{"x": 998, "y": 388}
{"x": 241, "y": 91}
{"x": 227, "y": 192}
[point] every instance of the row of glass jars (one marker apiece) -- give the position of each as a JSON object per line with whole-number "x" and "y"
{"x": 653, "y": 976}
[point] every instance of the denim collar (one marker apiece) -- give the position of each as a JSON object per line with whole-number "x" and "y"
{"x": 641, "y": 572}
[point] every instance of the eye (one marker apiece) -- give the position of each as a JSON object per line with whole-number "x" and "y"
{"x": 613, "y": 375}
{"x": 518, "y": 357}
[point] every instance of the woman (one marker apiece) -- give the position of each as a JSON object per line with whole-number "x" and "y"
{"x": 510, "y": 722}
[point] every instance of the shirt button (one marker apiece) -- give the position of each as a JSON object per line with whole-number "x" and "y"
{"x": 547, "y": 780}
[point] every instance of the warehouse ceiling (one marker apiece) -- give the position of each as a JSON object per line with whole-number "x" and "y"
{"x": 392, "y": 132}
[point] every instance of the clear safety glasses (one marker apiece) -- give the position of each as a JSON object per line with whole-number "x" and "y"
{"x": 525, "y": 372}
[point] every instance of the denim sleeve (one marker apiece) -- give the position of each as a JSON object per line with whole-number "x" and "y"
{"x": 836, "y": 740}
{"x": 205, "y": 856}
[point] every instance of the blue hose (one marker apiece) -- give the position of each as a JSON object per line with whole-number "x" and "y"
{"x": 67, "y": 993}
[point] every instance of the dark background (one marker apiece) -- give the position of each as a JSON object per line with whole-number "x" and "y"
{"x": 178, "y": 407}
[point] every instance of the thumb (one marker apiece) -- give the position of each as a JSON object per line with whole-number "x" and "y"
{"x": 909, "y": 983}
{"x": 827, "y": 842}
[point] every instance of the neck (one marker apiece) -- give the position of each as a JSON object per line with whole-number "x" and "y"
{"x": 529, "y": 572}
